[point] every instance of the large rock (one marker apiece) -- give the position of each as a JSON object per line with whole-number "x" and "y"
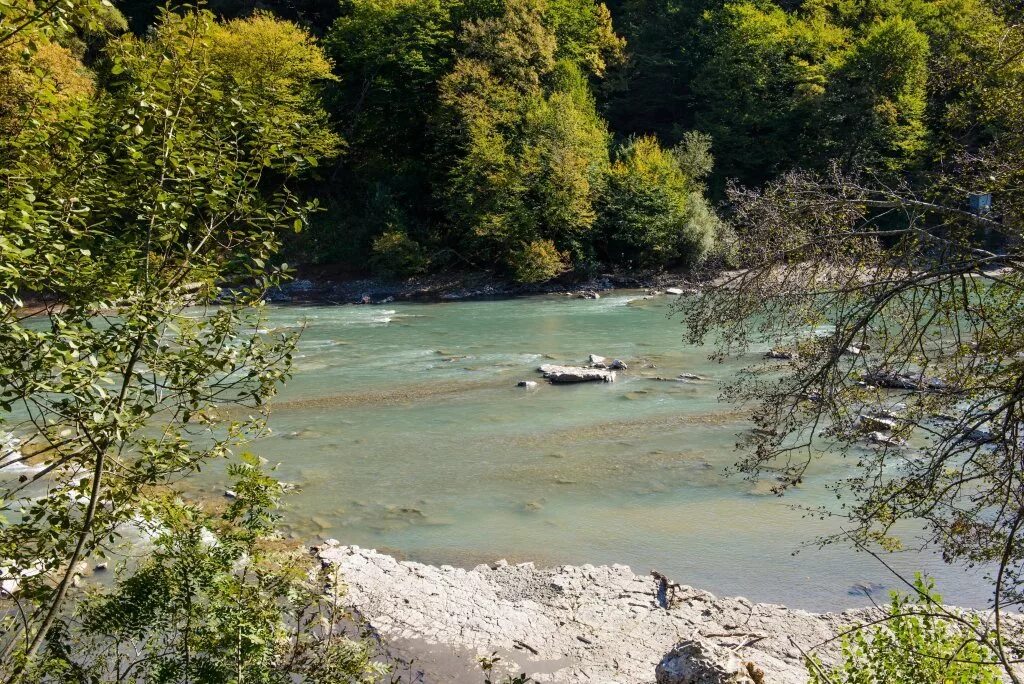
{"x": 569, "y": 374}
{"x": 699, "y": 661}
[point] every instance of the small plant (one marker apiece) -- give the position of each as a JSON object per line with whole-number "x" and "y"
{"x": 397, "y": 254}
{"x": 487, "y": 664}
{"x": 917, "y": 642}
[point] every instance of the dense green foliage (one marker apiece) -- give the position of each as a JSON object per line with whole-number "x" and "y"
{"x": 652, "y": 212}
{"x": 218, "y": 598}
{"x": 473, "y": 133}
{"x": 477, "y": 131}
{"x": 886, "y": 84}
{"x": 157, "y": 181}
{"x": 917, "y": 640}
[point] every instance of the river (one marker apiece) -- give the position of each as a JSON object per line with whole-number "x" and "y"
{"x": 405, "y": 431}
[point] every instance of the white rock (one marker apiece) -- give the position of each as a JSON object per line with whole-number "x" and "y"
{"x": 883, "y": 439}
{"x": 700, "y": 661}
{"x": 568, "y": 374}
{"x": 528, "y": 384}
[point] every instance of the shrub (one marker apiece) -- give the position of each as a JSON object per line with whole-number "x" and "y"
{"x": 652, "y": 213}
{"x": 536, "y": 262}
{"x": 397, "y": 254}
{"x": 220, "y": 597}
{"x": 913, "y": 645}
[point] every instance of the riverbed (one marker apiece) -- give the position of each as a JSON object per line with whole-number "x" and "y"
{"x": 404, "y": 430}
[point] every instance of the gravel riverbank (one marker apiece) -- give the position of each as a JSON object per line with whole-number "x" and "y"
{"x": 574, "y": 623}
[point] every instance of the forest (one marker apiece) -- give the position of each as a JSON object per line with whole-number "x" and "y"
{"x": 535, "y": 138}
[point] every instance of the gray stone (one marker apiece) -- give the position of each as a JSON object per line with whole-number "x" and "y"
{"x": 528, "y": 384}
{"x": 699, "y": 661}
{"x": 882, "y": 439}
{"x": 877, "y": 423}
{"x": 569, "y": 374}
{"x": 904, "y": 381}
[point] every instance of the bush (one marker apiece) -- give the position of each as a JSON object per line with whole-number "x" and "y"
{"x": 536, "y": 262}
{"x": 652, "y": 214}
{"x": 914, "y": 645}
{"x": 220, "y": 597}
{"x": 397, "y": 254}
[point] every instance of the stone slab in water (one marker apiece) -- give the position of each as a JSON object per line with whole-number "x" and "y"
{"x": 568, "y": 374}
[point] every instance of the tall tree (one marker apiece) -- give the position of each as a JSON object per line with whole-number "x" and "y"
{"x": 117, "y": 216}
{"x": 528, "y": 151}
{"x": 903, "y": 305}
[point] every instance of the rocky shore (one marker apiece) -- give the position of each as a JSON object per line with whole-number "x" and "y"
{"x": 309, "y": 288}
{"x": 575, "y": 624}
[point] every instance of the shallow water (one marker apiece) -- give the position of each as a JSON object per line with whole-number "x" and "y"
{"x": 405, "y": 431}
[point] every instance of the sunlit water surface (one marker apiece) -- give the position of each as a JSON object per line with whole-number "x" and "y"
{"x": 405, "y": 431}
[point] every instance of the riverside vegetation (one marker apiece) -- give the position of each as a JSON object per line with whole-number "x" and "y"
{"x": 157, "y": 160}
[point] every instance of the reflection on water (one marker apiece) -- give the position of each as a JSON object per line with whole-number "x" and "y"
{"x": 405, "y": 431}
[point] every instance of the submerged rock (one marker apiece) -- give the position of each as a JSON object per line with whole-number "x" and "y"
{"x": 528, "y": 384}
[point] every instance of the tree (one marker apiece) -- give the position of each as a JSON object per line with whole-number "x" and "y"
{"x": 878, "y": 103}
{"x": 117, "y": 217}
{"x": 917, "y": 640}
{"x": 760, "y": 91}
{"x": 527, "y": 149}
{"x": 903, "y": 306}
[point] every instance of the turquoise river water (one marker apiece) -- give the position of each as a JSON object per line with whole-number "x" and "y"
{"x": 405, "y": 431}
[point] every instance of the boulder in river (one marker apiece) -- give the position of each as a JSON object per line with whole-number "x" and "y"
{"x": 570, "y": 374}
{"x": 904, "y": 381}
{"x": 877, "y": 423}
{"x": 781, "y": 354}
{"x": 528, "y": 384}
